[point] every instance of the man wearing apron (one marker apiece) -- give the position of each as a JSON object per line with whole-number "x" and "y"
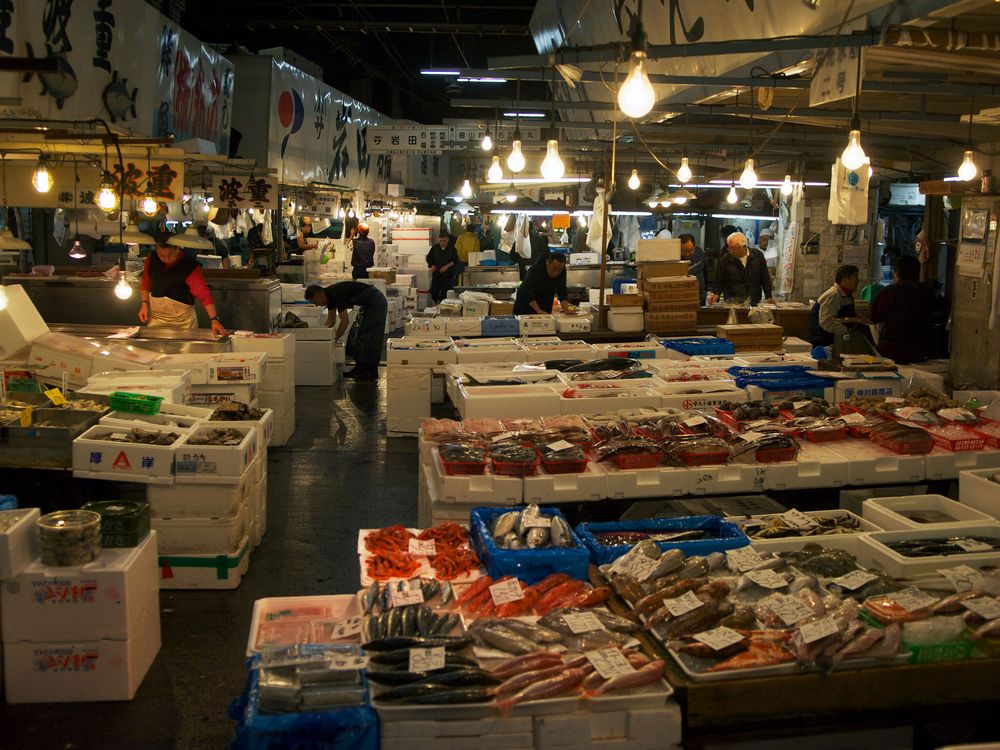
{"x": 835, "y": 303}
{"x": 171, "y": 282}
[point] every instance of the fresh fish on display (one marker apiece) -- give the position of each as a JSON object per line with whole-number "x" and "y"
{"x": 520, "y": 681}
{"x": 527, "y": 663}
{"x": 371, "y": 598}
{"x": 532, "y": 631}
{"x": 544, "y": 689}
{"x": 990, "y": 630}
{"x": 823, "y": 562}
{"x": 450, "y": 643}
{"x": 953, "y": 603}
{"x": 646, "y": 675}
{"x": 594, "y": 640}
{"x": 562, "y": 535}
{"x": 956, "y": 545}
{"x": 757, "y": 654}
{"x": 402, "y": 657}
{"x": 694, "y": 567}
{"x": 460, "y": 678}
{"x": 537, "y": 537}
{"x": 501, "y": 638}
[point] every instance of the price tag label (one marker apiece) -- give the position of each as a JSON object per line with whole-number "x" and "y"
{"x": 405, "y": 597}
{"x": 116, "y": 436}
{"x": 743, "y": 559}
{"x": 800, "y": 404}
{"x": 502, "y": 436}
{"x": 694, "y": 421}
{"x": 719, "y": 638}
{"x": 894, "y": 400}
{"x": 26, "y": 413}
{"x": 767, "y": 578}
{"x": 973, "y": 545}
{"x": 537, "y": 522}
{"x": 818, "y": 629}
{"x": 984, "y": 606}
{"x": 962, "y": 577}
{"x": 422, "y": 547}
{"x": 855, "y": 579}
{"x": 346, "y": 628}
{"x": 682, "y": 604}
{"x": 609, "y": 662}
{"x": 559, "y": 445}
{"x": 797, "y": 519}
{"x": 853, "y": 418}
{"x": 912, "y": 598}
{"x": 790, "y": 609}
{"x": 55, "y": 396}
{"x": 426, "y": 659}
{"x": 636, "y": 565}
{"x": 582, "y": 622}
{"x": 506, "y": 591}
{"x": 749, "y": 437}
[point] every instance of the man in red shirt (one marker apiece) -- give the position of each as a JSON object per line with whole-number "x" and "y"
{"x": 171, "y": 282}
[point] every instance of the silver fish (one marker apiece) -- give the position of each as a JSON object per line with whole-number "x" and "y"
{"x": 371, "y": 597}
{"x": 716, "y": 560}
{"x": 430, "y": 589}
{"x": 860, "y": 643}
{"x": 394, "y": 624}
{"x": 562, "y": 535}
{"x": 529, "y": 513}
{"x": 670, "y": 561}
{"x": 504, "y": 524}
{"x": 799, "y": 582}
{"x": 888, "y": 647}
{"x": 531, "y": 631}
{"x": 505, "y": 640}
{"x": 694, "y": 567}
{"x": 537, "y": 537}
{"x": 447, "y": 592}
{"x": 446, "y": 624}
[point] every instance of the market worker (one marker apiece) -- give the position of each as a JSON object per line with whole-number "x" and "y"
{"x": 338, "y": 299}
{"x": 467, "y": 243}
{"x": 441, "y": 259}
{"x": 904, "y": 311}
{"x": 302, "y": 241}
{"x": 362, "y": 253}
{"x": 764, "y": 238}
{"x": 695, "y": 256}
{"x": 835, "y": 303}
{"x": 741, "y": 273}
{"x": 543, "y": 282}
{"x": 171, "y": 282}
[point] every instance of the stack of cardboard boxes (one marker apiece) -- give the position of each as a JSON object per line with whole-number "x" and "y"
{"x": 752, "y": 337}
{"x": 669, "y": 295}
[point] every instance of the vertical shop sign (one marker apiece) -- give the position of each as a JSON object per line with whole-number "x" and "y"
{"x": 104, "y": 34}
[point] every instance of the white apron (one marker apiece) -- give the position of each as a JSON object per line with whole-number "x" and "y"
{"x": 164, "y": 311}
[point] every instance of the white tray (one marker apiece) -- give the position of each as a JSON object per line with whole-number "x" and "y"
{"x": 943, "y": 464}
{"x": 686, "y": 664}
{"x": 864, "y": 526}
{"x": 340, "y": 607}
{"x": 885, "y": 511}
{"x": 900, "y": 566}
{"x": 976, "y": 490}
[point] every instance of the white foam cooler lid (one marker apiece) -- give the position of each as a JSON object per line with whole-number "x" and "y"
{"x": 20, "y": 322}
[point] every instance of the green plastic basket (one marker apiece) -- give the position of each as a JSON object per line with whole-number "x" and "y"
{"x": 947, "y": 651}
{"x": 135, "y": 402}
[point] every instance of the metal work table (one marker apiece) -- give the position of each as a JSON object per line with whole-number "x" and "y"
{"x": 166, "y": 340}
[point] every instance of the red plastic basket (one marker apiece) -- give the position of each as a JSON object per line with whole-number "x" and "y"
{"x": 907, "y": 447}
{"x": 825, "y": 436}
{"x": 637, "y": 460}
{"x": 993, "y": 441}
{"x": 463, "y": 468}
{"x": 565, "y": 467}
{"x": 775, "y": 455}
{"x": 514, "y": 468}
{"x": 728, "y": 417}
{"x": 704, "y": 459}
{"x": 974, "y": 442}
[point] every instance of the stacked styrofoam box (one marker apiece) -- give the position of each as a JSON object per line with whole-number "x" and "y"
{"x": 314, "y": 360}
{"x": 96, "y": 457}
{"x": 174, "y": 386}
{"x": 84, "y": 632}
{"x": 277, "y": 388}
{"x": 408, "y": 399}
{"x": 231, "y": 376}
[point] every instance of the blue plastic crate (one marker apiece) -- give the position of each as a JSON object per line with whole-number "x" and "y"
{"x": 528, "y": 565}
{"x": 729, "y": 536}
{"x": 700, "y": 345}
{"x": 8, "y": 502}
{"x": 779, "y": 378}
{"x": 504, "y": 326}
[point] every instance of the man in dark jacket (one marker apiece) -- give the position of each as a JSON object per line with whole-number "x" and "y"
{"x": 696, "y": 257}
{"x": 442, "y": 259}
{"x": 363, "y": 254}
{"x": 741, "y": 274}
{"x": 905, "y": 310}
{"x": 544, "y": 282}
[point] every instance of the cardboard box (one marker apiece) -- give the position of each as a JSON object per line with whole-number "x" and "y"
{"x": 669, "y": 284}
{"x": 749, "y": 332}
{"x": 501, "y": 326}
{"x": 891, "y": 385}
{"x": 657, "y": 250}
{"x": 105, "y": 599}
{"x": 673, "y": 307}
{"x": 81, "y": 670}
{"x": 428, "y": 352}
{"x": 477, "y": 308}
{"x": 671, "y": 322}
{"x": 501, "y": 308}
{"x": 215, "y": 464}
{"x": 389, "y": 277}
{"x": 536, "y": 325}
{"x": 661, "y": 269}
{"x": 123, "y": 462}
{"x": 625, "y": 300}
{"x": 464, "y": 326}
{"x": 408, "y": 398}
{"x": 573, "y": 323}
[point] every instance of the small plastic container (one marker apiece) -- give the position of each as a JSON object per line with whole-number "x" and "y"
{"x": 69, "y": 537}
{"x": 515, "y": 468}
{"x": 644, "y": 460}
{"x": 728, "y": 417}
{"x": 776, "y": 455}
{"x": 124, "y": 523}
{"x": 955, "y": 438}
{"x": 134, "y": 402}
{"x": 704, "y": 458}
{"x": 565, "y": 467}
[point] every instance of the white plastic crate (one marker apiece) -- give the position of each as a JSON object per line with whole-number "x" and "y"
{"x": 660, "y": 481}
{"x": 886, "y": 512}
{"x": 900, "y": 566}
{"x": 868, "y": 463}
{"x": 216, "y": 464}
{"x": 259, "y": 500}
{"x": 216, "y": 571}
{"x": 199, "y": 500}
{"x": 976, "y": 490}
{"x": 19, "y": 543}
{"x": 585, "y": 486}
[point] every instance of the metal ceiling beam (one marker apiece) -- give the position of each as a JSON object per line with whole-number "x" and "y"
{"x": 379, "y": 26}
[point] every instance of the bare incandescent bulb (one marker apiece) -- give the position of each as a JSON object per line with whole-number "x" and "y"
{"x": 123, "y": 290}
{"x": 495, "y": 172}
{"x": 552, "y": 166}
{"x": 636, "y": 95}
{"x": 633, "y": 181}
{"x": 968, "y": 170}
{"x": 732, "y": 197}
{"x": 853, "y": 156}
{"x": 515, "y": 161}
{"x": 786, "y": 186}
{"x": 748, "y": 180}
{"x": 486, "y": 144}
{"x": 684, "y": 173}
{"x": 466, "y": 190}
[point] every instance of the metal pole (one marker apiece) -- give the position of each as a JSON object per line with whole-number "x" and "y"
{"x": 605, "y": 219}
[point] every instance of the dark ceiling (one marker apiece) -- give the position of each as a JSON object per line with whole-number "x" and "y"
{"x": 374, "y": 50}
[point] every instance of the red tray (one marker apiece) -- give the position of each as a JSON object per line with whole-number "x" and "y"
{"x": 825, "y": 436}
{"x": 993, "y": 441}
{"x": 514, "y": 468}
{"x": 974, "y": 442}
{"x": 728, "y": 417}
{"x": 637, "y": 460}
{"x": 463, "y": 468}
{"x": 704, "y": 459}
{"x": 907, "y": 448}
{"x": 775, "y": 455}
{"x": 565, "y": 467}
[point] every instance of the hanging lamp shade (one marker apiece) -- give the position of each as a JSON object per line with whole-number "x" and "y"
{"x": 132, "y": 236}
{"x": 9, "y": 242}
{"x": 190, "y": 238}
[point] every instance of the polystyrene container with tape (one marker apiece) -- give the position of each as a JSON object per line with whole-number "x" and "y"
{"x": 977, "y": 490}
{"x": 920, "y": 512}
{"x": 212, "y": 571}
{"x": 901, "y": 566}
{"x": 183, "y": 536}
{"x": 595, "y": 403}
{"x": 198, "y": 500}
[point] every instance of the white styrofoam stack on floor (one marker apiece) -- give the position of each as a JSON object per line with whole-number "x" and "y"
{"x": 85, "y": 632}
{"x": 314, "y": 363}
{"x": 408, "y": 399}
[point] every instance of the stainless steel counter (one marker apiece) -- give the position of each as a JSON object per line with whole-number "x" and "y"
{"x": 242, "y": 304}
{"x": 165, "y": 340}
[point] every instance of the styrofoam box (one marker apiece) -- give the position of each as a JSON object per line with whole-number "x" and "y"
{"x": 498, "y": 353}
{"x": 657, "y": 250}
{"x": 280, "y": 376}
{"x": 177, "y": 382}
{"x": 853, "y": 543}
{"x": 284, "y": 426}
{"x": 864, "y": 526}
{"x": 573, "y": 323}
{"x": 900, "y": 567}
{"x": 264, "y": 427}
{"x": 661, "y": 481}
{"x": 475, "y": 308}
{"x": 976, "y": 490}
{"x": 317, "y": 333}
{"x": 868, "y": 463}
{"x": 221, "y": 369}
{"x": 535, "y": 325}
{"x": 314, "y": 351}
{"x": 815, "y": 467}
{"x": 944, "y": 464}
{"x": 198, "y": 500}
{"x": 275, "y": 345}
{"x": 844, "y": 390}
{"x": 259, "y": 510}
{"x": 626, "y": 319}
{"x": 588, "y": 485}
{"x": 493, "y": 342}
{"x": 213, "y": 571}
{"x": 123, "y": 462}
{"x": 80, "y": 669}
{"x": 464, "y": 326}
{"x": 128, "y": 420}
{"x": 759, "y": 394}
{"x": 716, "y": 393}
{"x": 216, "y": 464}
{"x": 315, "y": 373}
{"x": 53, "y": 354}
{"x": 104, "y": 599}
{"x": 408, "y": 397}
{"x": 398, "y": 352}
{"x": 488, "y": 489}
{"x": 19, "y": 543}
{"x": 243, "y": 393}
{"x": 505, "y": 401}
{"x": 427, "y": 327}
{"x": 279, "y": 403}
{"x": 473, "y": 729}
{"x": 20, "y": 322}
{"x": 543, "y": 351}
{"x": 885, "y": 511}
{"x": 201, "y": 536}
{"x": 637, "y": 398}
{"x": 645, "y": 350}
{"x": 716, "y": 480}
{"x": 168, "y": 394}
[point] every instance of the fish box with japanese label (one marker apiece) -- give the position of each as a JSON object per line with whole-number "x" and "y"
{"x": 657, "y": 250}
{"x": 671, "y": 322}
{"x": 889, "y": 385}
{"x": 647, "y": 272}
{"x": 699, "y": 394}
{"x": 243, "y": 393}
{"x": 277, "y": 345}
{"x": 973, "y": 552}
{"x": 214, "y": 463}
{"x": 96, "y": 456}
{"x": 536, "y": 325}
{"x": 625, "y": 300}
{"x": 687, "y": 306}
{"x": 670, "y": 288}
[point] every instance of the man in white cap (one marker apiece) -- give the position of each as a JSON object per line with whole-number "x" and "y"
{"x": 764, "y": 238}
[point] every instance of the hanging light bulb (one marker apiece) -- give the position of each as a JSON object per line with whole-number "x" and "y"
{"x": 515, "y": 161}
{"x": 340, "y": 213}
{"x": 486, "y": 144}
{"x": 466, "y": 190}
{"x": 582, "y": 221}
{"x": 3, "y": 298}
{"x": 636, "y": 96}
{"x": 495, "y": 172}
{"x": 77, "y": 252}
{"x": 868, "y": 163}
{"x": 633, "y": 181}
{"x": 732, "y": 198}
{"x": 654, "y": 200}
{"x": 552, "y": 165}
{"x": 968, "y": 169}
{"x": 853, "y": 156}
{"x": 106, "y": 198}
{"x": 123, "y": 290}
{"x": 748, "y": 179}
{"x": 511, "y": 195}
{"x": 684, "y": 173}
{"x": 786, "y": 186}
{"x": 350, "y": 213}
{"x": 149, "y": 205}
{"x": 42, "y": 177}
